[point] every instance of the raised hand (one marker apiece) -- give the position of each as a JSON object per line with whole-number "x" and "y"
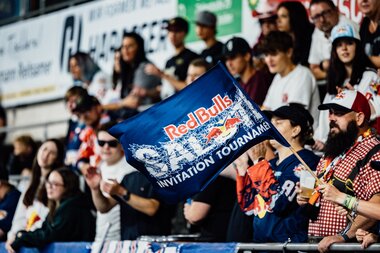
{"x": 93, "y": 179}
{"x": 112, "y": 187}
{"x": 151, "y": 69}
{"x": 257, "y": 151}
{"x": 241, "y": 164}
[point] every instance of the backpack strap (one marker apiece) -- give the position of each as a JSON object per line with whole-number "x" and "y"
{"x": 348, "y": 186}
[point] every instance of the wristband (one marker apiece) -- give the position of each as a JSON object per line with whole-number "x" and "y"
{"x": 349, "y": 202}
{"x": 345, "y": 237}
{"x": 355, "y": 206}
{"x": 127, "y": 196}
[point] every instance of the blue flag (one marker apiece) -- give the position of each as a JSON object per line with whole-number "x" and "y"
{"x": 182, "y": 143}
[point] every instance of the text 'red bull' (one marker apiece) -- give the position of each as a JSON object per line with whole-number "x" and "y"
{"x": 199, "y": 117}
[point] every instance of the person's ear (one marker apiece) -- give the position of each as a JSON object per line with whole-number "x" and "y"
{"x": 29, "y": 149}
{"x": 99, "y": 109}
{"x": 247, "y": 56}
{"x": 289, "y": 53}
{"x": 360, "y": 118}
{"x": 296, "y": 131}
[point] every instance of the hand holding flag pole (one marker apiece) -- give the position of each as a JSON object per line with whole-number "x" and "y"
{"x": 306, "y": 166}
{"x": 319, "y": 182}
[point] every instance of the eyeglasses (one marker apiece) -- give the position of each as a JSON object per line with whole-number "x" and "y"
{"x": 53, "y": 184}
{"x": 111, "y": 144}
{"x": 324, "y": 14}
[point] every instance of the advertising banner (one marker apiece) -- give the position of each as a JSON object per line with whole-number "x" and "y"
{"x": 34, "y": 54}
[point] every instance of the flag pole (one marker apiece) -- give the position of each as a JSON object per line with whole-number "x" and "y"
{"x": 316, "y": 178}
{"x": 305, "y": 165}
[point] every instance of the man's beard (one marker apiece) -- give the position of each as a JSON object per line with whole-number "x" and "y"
{"x": 337, "y": 143}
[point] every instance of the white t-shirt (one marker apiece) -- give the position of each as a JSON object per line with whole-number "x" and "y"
{"x": 167, "y": 89}
{"x": 116, "y": 171}
{"x": 365, "y": 88}
{"x": 298, "y": 86}
{"x": 99, "y": 86}
{"x": 320, "y": 48}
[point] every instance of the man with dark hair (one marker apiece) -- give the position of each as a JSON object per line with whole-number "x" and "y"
{"x": 206, "y": 30}
{"x": 240, "y": 64}
{"x": 325, "y": 15}
{"x": 112, "y": 166}
{"x": 292, "y": 83}
{"x": 72, "y": 140}
{"x": 174, "y": 74}
{"x": 350, "y": 147}
{"x": 90, "y": 112}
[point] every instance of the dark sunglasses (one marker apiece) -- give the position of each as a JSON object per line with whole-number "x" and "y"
{"x": 111, "y": 144}
{"x": 339, "y": 113}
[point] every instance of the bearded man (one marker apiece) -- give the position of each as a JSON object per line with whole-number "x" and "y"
{"x": 350, "y": 140}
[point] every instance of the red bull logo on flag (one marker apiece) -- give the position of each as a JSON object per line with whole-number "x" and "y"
{"x": 223, "y": 131}
{"x": 199, "y": 117}
{"x": 184, "y": 142}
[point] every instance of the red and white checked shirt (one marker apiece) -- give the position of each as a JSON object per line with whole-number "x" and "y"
{"x": 366, "y": 184}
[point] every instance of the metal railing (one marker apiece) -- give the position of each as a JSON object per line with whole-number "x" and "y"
{"x": 258, "y": 247}
{"x": 25, "y": 13}
{"x": 308, "y": 247}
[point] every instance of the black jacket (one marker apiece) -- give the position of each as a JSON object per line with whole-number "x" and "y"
{"x": 73, "y": 221}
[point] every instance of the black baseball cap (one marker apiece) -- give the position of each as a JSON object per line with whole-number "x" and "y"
{"x": 236, "y": 46}
{"x": 297, "y": 114}
{"x": 177, "y": 24}
{"x": 85, "y": 103}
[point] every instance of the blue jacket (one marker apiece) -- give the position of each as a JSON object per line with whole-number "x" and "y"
{"x": 8, "y": 206}
{"x": 285, "y": 218}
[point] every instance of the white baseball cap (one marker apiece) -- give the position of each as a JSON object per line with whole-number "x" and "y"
{"x": 349, "y": 100}
{"x": 343, "y": 31}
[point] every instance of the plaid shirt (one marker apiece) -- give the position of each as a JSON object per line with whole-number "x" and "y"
{"x": 366, "y": 184}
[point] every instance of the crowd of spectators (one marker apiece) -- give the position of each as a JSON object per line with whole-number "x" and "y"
{"x": 314, "y": 73}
